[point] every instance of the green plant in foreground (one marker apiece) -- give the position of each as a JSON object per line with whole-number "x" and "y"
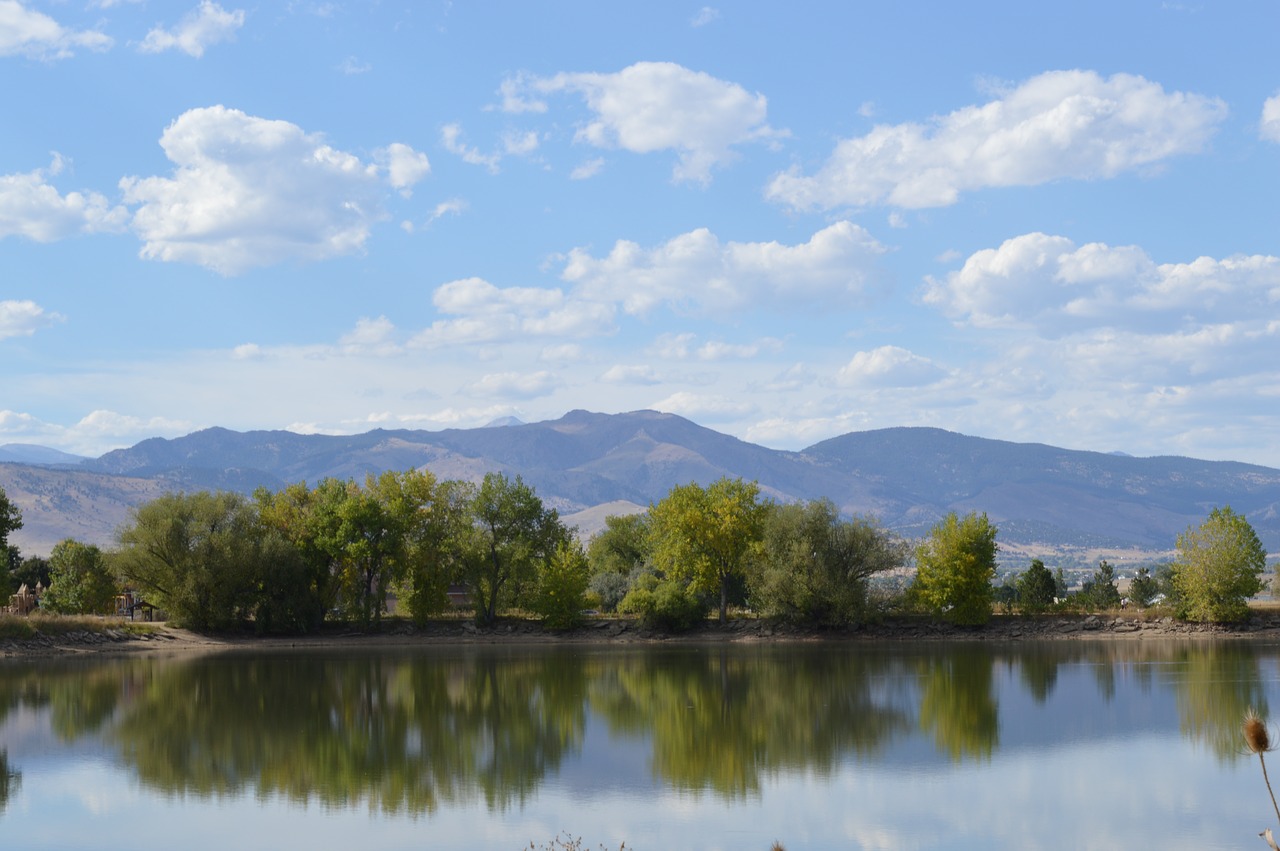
{"x": 569, "y": 843}
{"x": 565, "y": 842}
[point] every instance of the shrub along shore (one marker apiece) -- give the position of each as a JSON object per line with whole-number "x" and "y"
{"x": 45, "y": 636}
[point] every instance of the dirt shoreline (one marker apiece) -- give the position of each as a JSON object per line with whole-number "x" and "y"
{"x": 170, "y": 639}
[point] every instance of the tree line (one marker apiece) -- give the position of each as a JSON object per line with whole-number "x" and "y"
{"x": 286, "y": 561}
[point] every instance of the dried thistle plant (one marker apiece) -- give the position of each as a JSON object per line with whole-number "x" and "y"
{"x": 1257, "y": 738}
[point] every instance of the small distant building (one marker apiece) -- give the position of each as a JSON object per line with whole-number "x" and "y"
{"x": 459, "y": 596}
{"x": 25, "y": 601}
{"x": 130, "y": 604}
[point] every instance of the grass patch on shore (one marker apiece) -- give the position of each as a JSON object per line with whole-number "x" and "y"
{"x": 39, "y": 624}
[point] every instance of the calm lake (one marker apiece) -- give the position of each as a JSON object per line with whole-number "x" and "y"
{"x": 1108, "y": 745}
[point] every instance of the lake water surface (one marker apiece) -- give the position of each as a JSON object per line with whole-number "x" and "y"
{"x": 1108, "y": 745}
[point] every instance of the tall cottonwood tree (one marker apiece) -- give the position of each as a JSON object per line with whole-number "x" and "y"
{"x": 1219, "y": 566}
{"x": 371, "y": 534}
{"x": 511, "y": 533}
{"x": 706, "y": 535}
{"x": 194, "y": 555}
{"x": 814, "y": 566}
{"x": 296, "y": 593}
{"x": 954, "y": 569}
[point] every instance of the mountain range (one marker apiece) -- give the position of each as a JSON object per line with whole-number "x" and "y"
{"x": 1044, "y": 500}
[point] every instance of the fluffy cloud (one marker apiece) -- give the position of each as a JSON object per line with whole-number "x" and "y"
{"x": 487, "y": 313}
{"x": 249, "y": 192}
{"x": 1269, "y": 126}
{"x": 23, "y": 318}
{"x": 656, "y": 106}
{"x": 1048, "y": 284}
{"x": 514, "y": 385}
{"x": 1058, "y": 125}
{"x": 24, "y": 32}
{"x": 704, "y": 408}
{"x": 588, "y": 169}
{"x": 631, "y": 374}
{"x": 92, "y": 435}
{"x": 31, "y": 207}
{"x": 513, "y": 144}
{"x": 404, "y": 166}
{"x": 207, "y": 24}
{"x": 370, "y": 336}
{"x": 696, "y": 272}
{"x": 718, "y": 350}
{"x": 889, "y": 366}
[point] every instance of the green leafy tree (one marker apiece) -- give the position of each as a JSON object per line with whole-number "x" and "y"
{"x": 411, "y": 540}
{"x": 10, "y": 519}
{"x": 562, "y": 587}
{"x": 298, "y": 594}
{"x": 667, "y": 604}
{"x": 1144, "y": 588}
{"x": 1166, "y": 585}
{"x": 1036, "y": 588}
{"x": 615, "y": 554}
{"x": 80, "y": 582}
{"x": 368, "y": 544}
{"x": 1060, "y": 584}
{"x": 29, "y": 570}
{"x": 12, "y": 562}
{"x": 438, "y": 528}
{"x": 511, "y": 532}
{"x": 1218, "y": 567}
{"x": 362, "y": 542}
{"x": 1100, "y": 592}
{"x": 815, "y": 567}
{"x": 621, "y": 546}
{"x": 195, "y": 556}
{"x": 954, "y": 569}
{"x": 707, "y": 535}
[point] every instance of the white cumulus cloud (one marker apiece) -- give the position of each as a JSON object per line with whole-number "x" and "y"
{"x": 23, "y": 318}
{"x": 26, "y": 32}
{"x": 370, "y": 336}
{"x": 249, "y": 192}
{"x": 656, "y": 106}
{"x": 1058, "y": 125}
{"x": 1049, "y": 284}
{"x": 487, "y": 313}
{"x": 631, "y": 374}
{"x": 704, "y": 408}
{"x": 697, "y": 272}
{"x": 31, "y": 207}
{"x": 515, "y": 385}
{"x": 889, "y": 366}
{"x": 1269, "y": 126}
{"x": 404, "y": 165}
{"x": 205, "y": 25}
{"x": 451, "y": 138}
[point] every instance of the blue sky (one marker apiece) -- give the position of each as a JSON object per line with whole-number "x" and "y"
{"x": 1033, "y": 222}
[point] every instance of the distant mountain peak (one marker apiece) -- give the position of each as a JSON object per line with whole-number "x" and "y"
{"x": 30, "y": 453}
{"x": 502, "y": 422}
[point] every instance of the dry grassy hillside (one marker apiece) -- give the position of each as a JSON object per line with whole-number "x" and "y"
{"x": 58, "y": 504}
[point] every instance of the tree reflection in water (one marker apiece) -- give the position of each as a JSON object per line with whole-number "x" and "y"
{"x": 409, "y": 732}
